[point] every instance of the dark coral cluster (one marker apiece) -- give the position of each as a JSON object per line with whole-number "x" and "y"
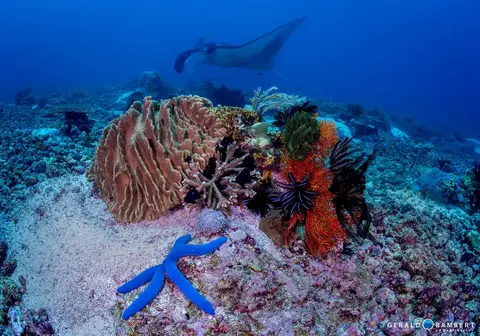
{"x": 472, "y": 182}
{"x": 227, "y": 179}
{"x": 15, "y": 319}
{"x": 348, "y": 186}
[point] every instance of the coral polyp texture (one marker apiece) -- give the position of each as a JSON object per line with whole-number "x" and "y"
{"x": 139, "y": 160}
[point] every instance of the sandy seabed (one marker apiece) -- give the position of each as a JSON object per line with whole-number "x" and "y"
{"x": 72, "y": 253}
{"x": 74, "y": 256}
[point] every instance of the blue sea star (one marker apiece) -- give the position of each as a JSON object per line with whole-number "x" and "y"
{"x": 156, "y": 275}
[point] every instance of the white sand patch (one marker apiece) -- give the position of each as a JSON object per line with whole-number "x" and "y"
{"x": 74, "y": 256}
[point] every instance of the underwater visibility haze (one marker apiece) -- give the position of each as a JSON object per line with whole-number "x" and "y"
{"x": 239, "y": 168}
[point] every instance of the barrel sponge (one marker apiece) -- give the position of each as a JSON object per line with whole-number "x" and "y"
{"x": 139, "y": 161}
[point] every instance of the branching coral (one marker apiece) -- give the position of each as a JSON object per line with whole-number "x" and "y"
{"x": 227, "y": 179}
{"x": 348, "y": 186}
{"x": 301, "y": 132}
{"x": 140, "y": 158}
{"x": 264, "y": 101}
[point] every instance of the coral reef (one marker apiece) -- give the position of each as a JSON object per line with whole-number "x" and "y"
{"x": 227, "y": 97}
{"x": 280, "y": 273}
{"x": 355, "y": 109}
{"x": 226, "y": 180}
{"x": 151, "y": 84}
{"x": 472, "y": 186}
{"x": 141, "y": 157}
{"x": 236, "y": 120}
{"x": 24, "y": 97}
{"x": 75, "y": 118}
{"x": 15, "y": 318}
{"x": 255, "y": 287}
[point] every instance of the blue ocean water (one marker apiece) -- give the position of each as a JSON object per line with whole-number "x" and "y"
{"x": 315, "y": 207}
{"x": 408, "y": 57}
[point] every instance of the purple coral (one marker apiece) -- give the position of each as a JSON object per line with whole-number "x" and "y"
{"x": 211, "y": 221}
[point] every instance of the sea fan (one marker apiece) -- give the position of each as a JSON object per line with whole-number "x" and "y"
{"x": 348, "y": 186}
{"x": 282, "y": 117}
{"x": 297, "y": 197}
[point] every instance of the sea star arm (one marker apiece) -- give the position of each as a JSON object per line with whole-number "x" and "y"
{"x": 138, "y": 281}
{"x": 182, "y": 240}
{"x": 195, "y": 250}
{"x": 148, "y": 294}
{"x": 187, "y": 289}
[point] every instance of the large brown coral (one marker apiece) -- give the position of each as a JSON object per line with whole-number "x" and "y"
{"x": 140, "y": 159}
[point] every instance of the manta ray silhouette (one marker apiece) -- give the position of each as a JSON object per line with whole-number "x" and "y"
{"x": 258, "y": 54}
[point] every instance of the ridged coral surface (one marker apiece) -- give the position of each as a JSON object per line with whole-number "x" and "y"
{"x": 139, "y": 159}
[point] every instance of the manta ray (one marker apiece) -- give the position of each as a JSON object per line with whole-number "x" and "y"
{"x": 258, "y": 54}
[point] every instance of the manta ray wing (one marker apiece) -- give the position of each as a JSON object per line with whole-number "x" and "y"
{"x": 258, "y": 54}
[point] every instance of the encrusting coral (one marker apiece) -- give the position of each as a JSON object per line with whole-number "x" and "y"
{"x": 236, "y": 120}
{"x": 140, "y": 159}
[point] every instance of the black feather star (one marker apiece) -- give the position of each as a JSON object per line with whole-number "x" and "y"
{"x": 348, "y": 186}
{"x": 296, "y": 197}
{"x": 282, "y": 117}
{"x": 263, "y": 201}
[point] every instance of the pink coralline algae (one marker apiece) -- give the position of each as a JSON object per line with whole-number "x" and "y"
{"x": 258, "y": 289}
